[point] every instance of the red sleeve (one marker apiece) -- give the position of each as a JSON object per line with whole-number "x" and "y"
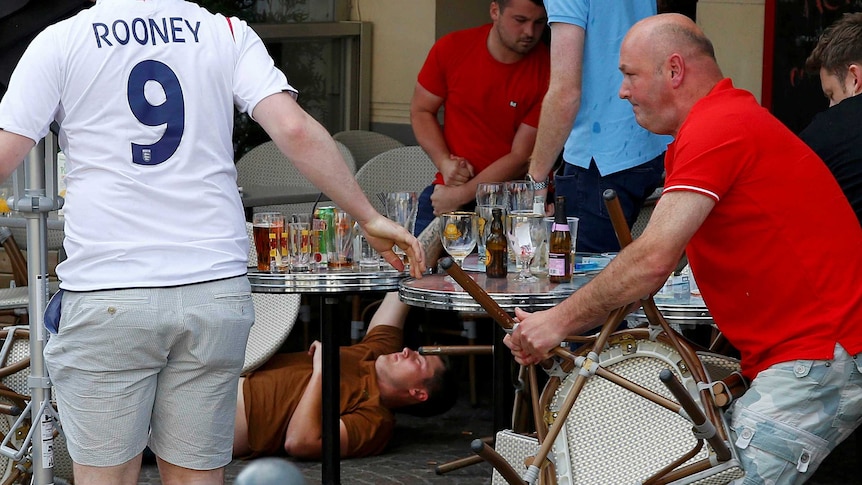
{"x": 432, "y": 76}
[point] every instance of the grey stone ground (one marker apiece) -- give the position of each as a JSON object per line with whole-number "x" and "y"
{"x": 420, "y": 443}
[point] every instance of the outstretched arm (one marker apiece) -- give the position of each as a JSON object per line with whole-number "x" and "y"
{"x": 392, "y": 312}
{"x": 310, "y": 147}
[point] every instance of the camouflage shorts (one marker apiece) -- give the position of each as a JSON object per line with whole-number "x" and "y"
{"x": 793, "y": 415}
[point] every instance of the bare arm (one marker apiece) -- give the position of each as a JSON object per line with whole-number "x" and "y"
{"x": 636, "y": 272}
{"x": 13, "y": 149}
{"x": 563, "y": 99}
{"x": 304, "y": 436}
{"x": 423, "y": 117}
{"x": 392, "y": 312}
{"x": 508, "y": 167}
{"x": 310, "y": 147}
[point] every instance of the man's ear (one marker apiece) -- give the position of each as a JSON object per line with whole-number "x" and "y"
{"x": 494, "y": 11}
{"x": 420, "y": 395}
{"x": 676, "y": 69}
{"x": 854, "y": 73}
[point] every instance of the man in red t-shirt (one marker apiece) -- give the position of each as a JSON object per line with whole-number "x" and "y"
{"x": 771, "y": 239}
{"x": 490, "y": 80}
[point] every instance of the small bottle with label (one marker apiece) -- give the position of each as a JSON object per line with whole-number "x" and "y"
{"x": 560, "y": 245}
{"x": 496, "y": 251}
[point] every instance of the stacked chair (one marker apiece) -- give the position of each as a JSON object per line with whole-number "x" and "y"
{"x": 634, "y": 406}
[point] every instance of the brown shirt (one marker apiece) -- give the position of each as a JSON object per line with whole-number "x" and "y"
{"x": 273, "y": 391}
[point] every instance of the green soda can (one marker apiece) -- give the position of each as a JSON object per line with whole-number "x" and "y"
{"x": 323, "y": 229}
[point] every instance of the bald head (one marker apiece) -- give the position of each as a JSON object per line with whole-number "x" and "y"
{"x": 667, "y": 64}
{"x": 669, "y": 33}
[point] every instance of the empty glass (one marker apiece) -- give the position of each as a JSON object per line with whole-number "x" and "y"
{"x": 363, "y": 252}
{"x": 490, "y": 194}
{"x": 341, "y": 250}
{"x": 299, "y": 242}
{"x": 519, "y": 196}
{"x": 458, "y": 235}
{"x": 525, "y": 233}
{"x": 401, "y": 207}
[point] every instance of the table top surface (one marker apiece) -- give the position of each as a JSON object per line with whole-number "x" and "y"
{"x": 347, "y": 280}
{"x": 434, "y": 291}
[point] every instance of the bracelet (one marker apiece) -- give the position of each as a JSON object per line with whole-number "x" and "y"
{"x": 539, "y": 185}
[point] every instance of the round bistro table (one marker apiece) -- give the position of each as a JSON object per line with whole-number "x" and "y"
{"x": 327, "y": 285}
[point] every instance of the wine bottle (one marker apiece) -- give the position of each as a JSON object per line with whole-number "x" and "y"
{"x": 560, "y": 245}
{"x": 496, "y": 253}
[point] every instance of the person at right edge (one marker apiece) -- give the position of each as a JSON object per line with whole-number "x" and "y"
{"x": 771, "y": 239}
{"x": 604, "y": 147}
{"x": 836, "y": 134}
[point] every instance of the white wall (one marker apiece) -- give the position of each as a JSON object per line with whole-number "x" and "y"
{"x": 736, "y": 30}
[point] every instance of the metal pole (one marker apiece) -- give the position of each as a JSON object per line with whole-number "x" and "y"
{"x": 34, "y": 206}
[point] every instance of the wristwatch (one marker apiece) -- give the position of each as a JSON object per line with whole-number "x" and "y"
{"x": 539, "y": 185}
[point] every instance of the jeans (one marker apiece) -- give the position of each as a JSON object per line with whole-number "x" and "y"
{"x": 584, "y": 189}
{"x": 425, "y": 212}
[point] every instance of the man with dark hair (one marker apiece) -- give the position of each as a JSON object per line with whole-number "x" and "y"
{"x": 278, "y": 405}
{"x": 779, "y": 273}
{"x": 490, "y": 80}
{"x": 836, "y": 134}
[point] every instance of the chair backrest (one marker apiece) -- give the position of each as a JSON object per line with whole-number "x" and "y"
{"x": 347, "y": 154}
{"x": 645, "y": 213}
{"x": 265, "y": 165}
{"x": 252, "y": 252}
{"x": 364, "y": 144}
{"x": 406, "y": 168}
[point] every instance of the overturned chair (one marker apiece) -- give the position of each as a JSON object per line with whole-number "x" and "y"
{"x": 632, "y": 406}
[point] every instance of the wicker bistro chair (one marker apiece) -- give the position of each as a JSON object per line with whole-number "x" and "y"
{"x": 14, "y": 423}
{"x": 265, "y": 165}
{"x": 14, "y": 301}
{"x": 365, "y": 145}
{"x": 274, "y": 317}
{"x": 406, "y": 168}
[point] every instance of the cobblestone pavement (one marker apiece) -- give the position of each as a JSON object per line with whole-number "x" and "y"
{"x": 421, "y": 443}
{"x": 418, "y": 446}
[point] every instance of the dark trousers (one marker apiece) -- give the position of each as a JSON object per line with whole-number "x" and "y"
{"x": 583, "y": 189}
{"x": 425, "y": 211}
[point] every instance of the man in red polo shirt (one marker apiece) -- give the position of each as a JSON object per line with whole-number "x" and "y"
{"x": 771, "y": 239}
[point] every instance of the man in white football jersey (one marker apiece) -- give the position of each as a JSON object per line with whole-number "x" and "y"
{"x": 157, "y": 305}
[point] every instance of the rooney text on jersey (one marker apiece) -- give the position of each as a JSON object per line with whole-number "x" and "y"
{"x": 146, "y": 31}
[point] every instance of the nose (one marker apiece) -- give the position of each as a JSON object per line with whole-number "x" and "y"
{"x": 623, "y": 93}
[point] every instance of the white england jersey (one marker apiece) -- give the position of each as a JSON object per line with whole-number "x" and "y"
{"x": 144, "y": 92}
